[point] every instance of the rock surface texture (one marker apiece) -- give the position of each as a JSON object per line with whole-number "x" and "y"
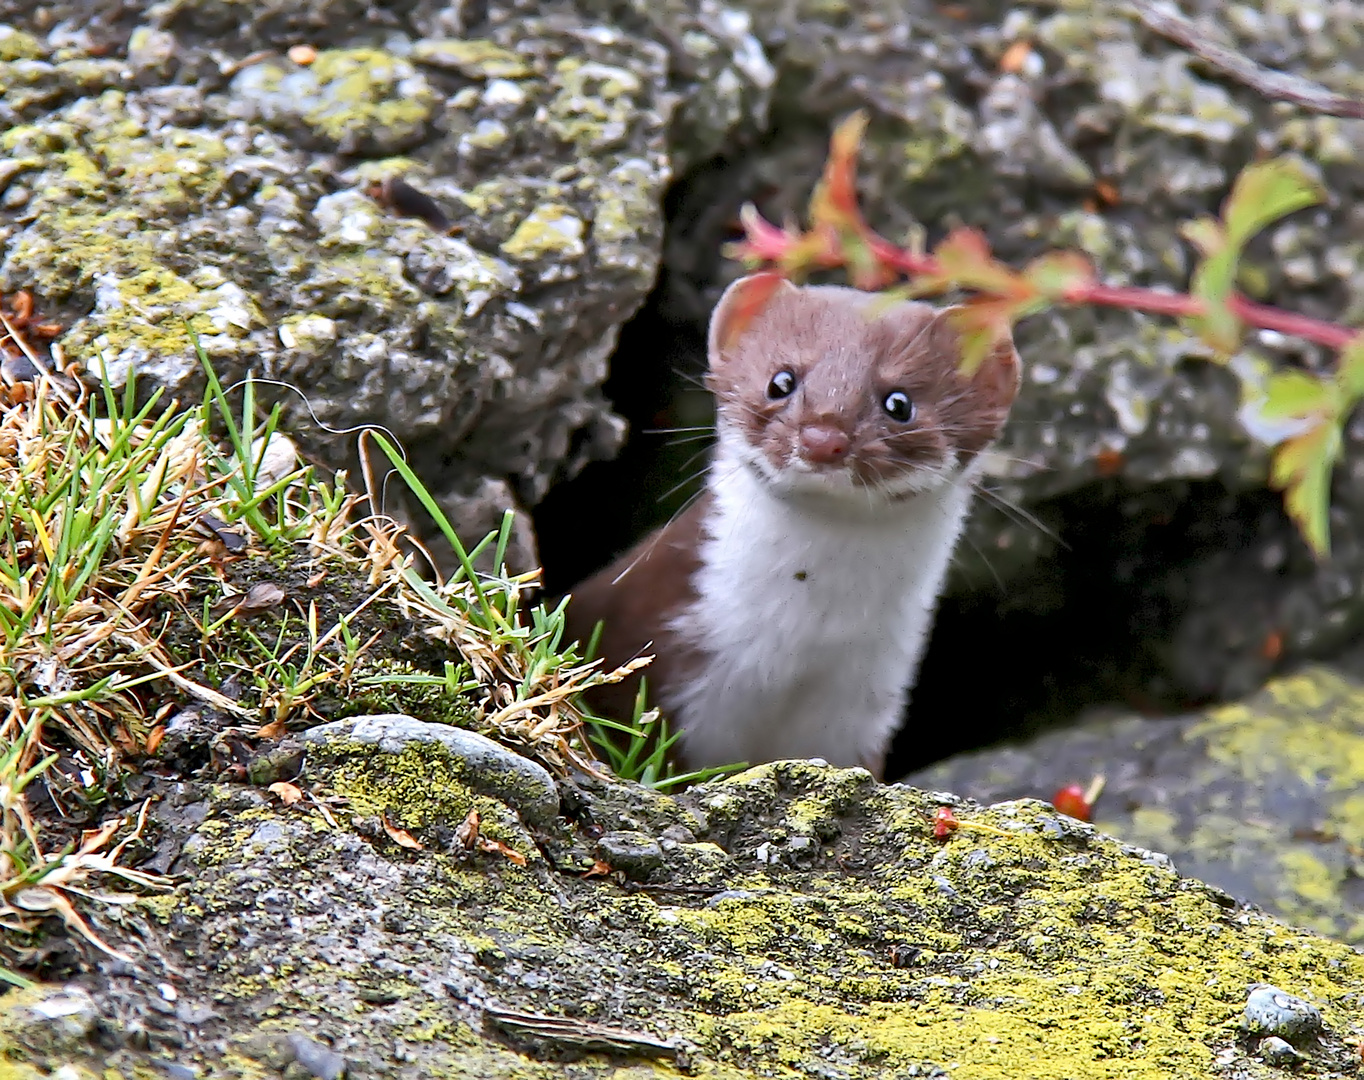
{"x": 1261, "y": 798}
{"x": 795, "y": 918}
{"x": 152, "y": 177}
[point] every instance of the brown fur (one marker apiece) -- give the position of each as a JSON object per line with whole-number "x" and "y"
{"x": 633, "y": 610}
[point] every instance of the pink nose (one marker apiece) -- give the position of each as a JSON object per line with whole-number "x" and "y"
{"x": 823, "y": 444}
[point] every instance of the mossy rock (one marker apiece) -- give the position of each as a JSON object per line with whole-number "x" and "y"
{"x": 1261, "y": 797}
{"x": 841, "y": 936}
{"x": 190, "y": 187}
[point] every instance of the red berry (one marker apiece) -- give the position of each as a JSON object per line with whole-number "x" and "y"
{"x": 944, "y": 822}
{"x": 1071, "y": 800}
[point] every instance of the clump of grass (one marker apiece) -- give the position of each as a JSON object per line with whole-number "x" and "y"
{"x": 533, "y": 674}
{"x": 639, "y": 749}
{"x": 118, "y": 523}
{"x": 529, "y": 676}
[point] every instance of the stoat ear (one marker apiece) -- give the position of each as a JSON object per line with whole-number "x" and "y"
{"x": 997, "y": 379}
{"x": 741, "y": 303}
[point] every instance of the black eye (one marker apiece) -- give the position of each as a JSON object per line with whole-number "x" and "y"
{"x": 898, "y": 406}
{"x": 782, "y": 384}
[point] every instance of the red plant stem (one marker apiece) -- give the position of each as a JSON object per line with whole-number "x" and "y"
{"x": 1177, "y": 305}
{"x": 1329, "y": 334}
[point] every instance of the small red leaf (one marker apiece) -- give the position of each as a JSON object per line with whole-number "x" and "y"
{"x": 401, "y": 837}
{"x": 835, "y": 198}
{"x": 763, "y": 241}
{"x": 965, "y": 261}
{"x": 499, "y": 848}
{"x": 945, "y": 822}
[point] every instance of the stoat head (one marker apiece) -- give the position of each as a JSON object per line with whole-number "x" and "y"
{"x": 827, "y": 390}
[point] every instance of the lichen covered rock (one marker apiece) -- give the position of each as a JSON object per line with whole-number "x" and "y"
{"x": 183, "y": 186}
{"x": 826, "y": 930}
{"x": 1261, "y": 797}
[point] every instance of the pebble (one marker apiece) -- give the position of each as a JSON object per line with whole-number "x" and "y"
{"x": 71, "y": 1011}
{"x": 636, "y": 853}
{"x": 322, "y": 1061}
{"x": 1274, "y": 1051}
{"x": 1274, "y": 1012}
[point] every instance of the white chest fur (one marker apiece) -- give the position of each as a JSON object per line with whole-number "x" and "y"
{"x": 811, "y": 622}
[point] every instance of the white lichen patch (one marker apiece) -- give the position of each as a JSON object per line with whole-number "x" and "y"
{"x": 308, "y": 333}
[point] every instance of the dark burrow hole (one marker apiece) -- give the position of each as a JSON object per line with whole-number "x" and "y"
{"x": 1091, "y": 626}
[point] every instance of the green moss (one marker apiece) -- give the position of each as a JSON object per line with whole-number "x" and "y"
{"x": 92, "y": 200}
{"x": 367, "y": 88}
{"x": 551, "y": 231}
{"x": 31, "y": 1048}
{"x": 1257, "y": 742}
{"x": 594, "y": 104}
{"x": 943, "y": 135}
{"x": 16, "y": 45}
{"x": 476, "y": 58}
{"x": 424, "y": 786}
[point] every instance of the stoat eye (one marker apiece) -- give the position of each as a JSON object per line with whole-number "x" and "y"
{"x": 898, "y": 406}
{"x": 782, "y": 385}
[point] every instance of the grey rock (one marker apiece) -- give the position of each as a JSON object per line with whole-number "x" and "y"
{"x": 635, "y": 853}
{"x": 320, "y": 1061}
{"x": 523, "y": 784}
{"x": 1275, "y": 1051}
{"x": 1243, "y": 796}
{"x": 482, "y": 938}
{"x": 70, "y": 1013}
{"x": 1271, "y": 1011}
{"x": 235, "y": 196}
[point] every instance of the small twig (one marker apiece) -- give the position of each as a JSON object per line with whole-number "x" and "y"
{"x": 581, "y": 1034}
{"x": 1165, "y": 20}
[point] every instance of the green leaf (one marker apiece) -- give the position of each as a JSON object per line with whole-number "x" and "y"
{"x": 1265, "y": 192}
{"x": 1056, "y": 274}
{"x": 1213, "y": 283}
{"x": 1262, "y": 193}
{"x": 13, "y": 978}
{"x": 1350, "y": 373}
{"x": 1301, "y": 469}
{"x": 1295, "y": 394}
{"x": 965, "y": 262}
{"x": 1206, "y": 234}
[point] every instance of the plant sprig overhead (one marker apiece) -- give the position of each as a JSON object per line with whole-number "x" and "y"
{"x": 1312, "y": 407}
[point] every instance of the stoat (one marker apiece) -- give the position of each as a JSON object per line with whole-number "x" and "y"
{"x": 789, "y": 606}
